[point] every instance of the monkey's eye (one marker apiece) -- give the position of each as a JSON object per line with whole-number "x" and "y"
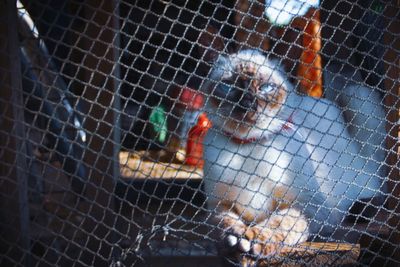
{"x": 224, "y": 87}
{"x": 222, "y": 90}
{"x": 268, "y": 88}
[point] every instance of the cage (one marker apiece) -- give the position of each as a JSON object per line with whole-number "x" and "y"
{"x": 106, "y": 154}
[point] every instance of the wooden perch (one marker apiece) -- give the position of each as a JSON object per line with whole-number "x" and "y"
{"x": 315, "y": 254}
{"x": 143, "y": 165}
{"x": 305, "y": 254}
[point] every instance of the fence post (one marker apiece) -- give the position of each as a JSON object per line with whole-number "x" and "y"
{"x": 116, "y": 252}
{"x": 392, "y": 101}
{"x": 14, "y": 206}
{"x": 99, "y": 76}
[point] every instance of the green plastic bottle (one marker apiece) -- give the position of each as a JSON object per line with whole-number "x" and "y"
{"x": 158, "y": 120}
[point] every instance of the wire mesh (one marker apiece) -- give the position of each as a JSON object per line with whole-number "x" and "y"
{"x": 107, "y": 158}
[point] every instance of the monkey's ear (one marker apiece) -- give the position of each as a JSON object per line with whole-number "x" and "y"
{"x": 211, "y": 44}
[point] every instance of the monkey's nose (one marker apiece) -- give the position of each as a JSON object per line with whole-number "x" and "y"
{"x": 248, "y": 102}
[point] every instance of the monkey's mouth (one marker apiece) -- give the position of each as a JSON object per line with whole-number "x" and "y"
{"x": 252, "y": 118}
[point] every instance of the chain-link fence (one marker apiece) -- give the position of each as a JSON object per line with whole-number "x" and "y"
{"x": 199, "y": 133}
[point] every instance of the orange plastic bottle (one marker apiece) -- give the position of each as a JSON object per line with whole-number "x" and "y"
{"x": 194, "y": 147}
{"x": 310, "y": 68}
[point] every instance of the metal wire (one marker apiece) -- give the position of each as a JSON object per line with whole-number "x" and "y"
{"x": 95, "y": 126}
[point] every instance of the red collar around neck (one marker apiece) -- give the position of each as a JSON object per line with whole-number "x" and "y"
{"x": 243, "y": 141}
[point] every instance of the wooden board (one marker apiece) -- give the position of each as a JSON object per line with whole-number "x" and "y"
{"x": 304, "y": 254}
{"x": 317, "y": 254}
{"x": 134, "y": 165}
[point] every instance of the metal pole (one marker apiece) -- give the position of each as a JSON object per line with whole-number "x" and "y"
{"x": 116, "y": 252}
{"x": 14, "y": 213}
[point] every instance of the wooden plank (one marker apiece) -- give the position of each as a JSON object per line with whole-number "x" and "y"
{"x": 308, "y": 253}
{"x": 134, "y": 166}
{"x": 317, "y": 254}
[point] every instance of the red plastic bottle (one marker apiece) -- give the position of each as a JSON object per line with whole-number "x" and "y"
{"x": 194, "y": 147}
